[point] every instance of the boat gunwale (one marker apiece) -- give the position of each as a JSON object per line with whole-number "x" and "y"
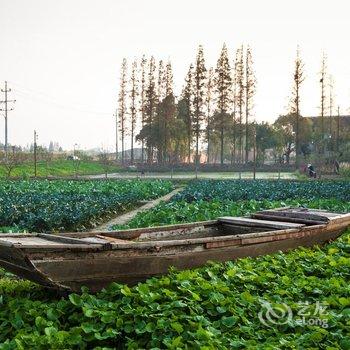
{"x": 164, "y": 243}
{"x": 337, "y": 220}
{"x": 141, "y": 229}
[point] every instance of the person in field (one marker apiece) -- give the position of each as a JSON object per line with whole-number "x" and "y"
{"x": 311, "y": 171}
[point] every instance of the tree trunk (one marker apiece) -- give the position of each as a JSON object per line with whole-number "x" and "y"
{"x": 222, "y": 146}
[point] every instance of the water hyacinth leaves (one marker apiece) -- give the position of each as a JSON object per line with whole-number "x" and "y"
{"x": 214, "y": 307}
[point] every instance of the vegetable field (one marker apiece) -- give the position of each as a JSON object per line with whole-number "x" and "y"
{"x": 38, "y": 206}
{"x": 265, "y": 190}
{"x": 205, "y": 200}
{"x": 219, "y": 306}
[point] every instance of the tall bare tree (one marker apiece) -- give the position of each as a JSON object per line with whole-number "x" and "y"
{"x": 235, "y": 95}
{"x": 298, "y": 79}
{"x": 104, "y": 160}
{"x": 143, "y": 102}
{"x": 151, "y": 105}
{"x": 161, "y": 81}
{"x": 338, "y": 129}
{"x": 331, "y": 104}
{"x": 187, "y": 97}
{"x": 240, "y": 98}
{"x": 323, "y": 74}
{"x": 169, "y": 112}
{"x": 122, "y": 109}
{"x": 223, "y": 87}
{"x": 199, "y": 79}
{"x": 209, "y": 97}
{"x": 134, "y": 92}
{"x": 168, "y": 79}
{"x": 250, "y": 86}
{"x": 13, "y": 159}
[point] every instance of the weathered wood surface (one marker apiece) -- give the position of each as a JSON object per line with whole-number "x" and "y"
{"x": 281, "y": 218}
{"x": 298, "y": 213}
{"x": 97, "y": 274}
{"x": 136, "y": 232}
{"x": 65, "y": 261}
{"x": 258, "y": 223}
{"x": 113, "y": 240}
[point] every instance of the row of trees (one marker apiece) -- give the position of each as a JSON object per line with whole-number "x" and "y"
{"x": 322, "y": 134}
{"x": 213, "y": 110}
{"x": 212, "y": 120}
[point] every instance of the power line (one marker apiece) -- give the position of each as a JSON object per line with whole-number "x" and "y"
{"x": 45, "y": 98}
{"x": 6, "y": 110}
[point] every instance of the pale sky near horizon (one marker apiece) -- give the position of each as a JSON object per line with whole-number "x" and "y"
{"x": 62, "y": 58}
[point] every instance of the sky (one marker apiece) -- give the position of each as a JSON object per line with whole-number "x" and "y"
{"x": 62, "y": 58}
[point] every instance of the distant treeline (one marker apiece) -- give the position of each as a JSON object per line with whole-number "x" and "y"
{"x": 212, "y": 120}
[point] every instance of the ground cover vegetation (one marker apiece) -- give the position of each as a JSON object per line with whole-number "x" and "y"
{"x": 54, "y": 167}
{"x": 208, "y": 199}
{"x": 38, "y": 206}
{"x": 214, "y": 307}
{"x": 218, "y": 306}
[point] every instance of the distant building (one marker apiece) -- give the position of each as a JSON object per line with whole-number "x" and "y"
{"x": 331, "y": 123}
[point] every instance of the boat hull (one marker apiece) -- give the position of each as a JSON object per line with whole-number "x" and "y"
{"x": 98, "y": 269}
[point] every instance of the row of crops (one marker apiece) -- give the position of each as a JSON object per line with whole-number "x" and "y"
{"x": 39, "y": 206}
{"x": 219, "y": 306}
{"x": 205, "y": 200}
{"x": 265, "y": 190}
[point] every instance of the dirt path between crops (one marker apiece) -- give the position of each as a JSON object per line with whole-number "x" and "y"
{"x": 125, "y": 218}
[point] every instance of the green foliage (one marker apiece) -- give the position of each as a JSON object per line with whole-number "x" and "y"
{"x": 38, "y": 206}
{"x": 206, "y": 200}
{"x": 345, "y": 172}
{"x": 264, "y": 189}
{"x": 214, "y": 307}
{"x": 182, "y": 211}
{"x": 58, "y": 168}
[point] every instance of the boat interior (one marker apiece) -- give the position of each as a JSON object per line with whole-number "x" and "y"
{"x": 263, "y": 221}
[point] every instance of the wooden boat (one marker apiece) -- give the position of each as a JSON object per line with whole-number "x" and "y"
{"x": 69, "y": 261}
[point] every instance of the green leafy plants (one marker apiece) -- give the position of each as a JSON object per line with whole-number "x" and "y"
{"x": 265, "y": 189}
{"x": 206, "y": 200}
{"x": 218, "y": 306}
{"x": 181, "y": 211}
{"x": 214, "y": 307}
{"x": 38, "y": 206}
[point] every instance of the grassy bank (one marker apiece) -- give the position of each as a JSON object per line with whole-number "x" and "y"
{"x": 58, "y": 168}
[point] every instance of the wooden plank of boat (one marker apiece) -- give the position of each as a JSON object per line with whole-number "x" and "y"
{"x": 136, "y": 232}
{"x": 69, "y": 262}
{"x": 41, "y": 241}
{"x": 281, "y": 218}
{"x": 113, "y": 240}
{"x": 301, "y": 213}
{"x": 130, "y": 269}
{"x": 265, "y": 236}
{"x": 258, "y": 223}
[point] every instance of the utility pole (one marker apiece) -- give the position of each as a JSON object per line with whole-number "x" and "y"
{"x": 330, "y": 103}
{"x": 254, "y": 150}
{"x": 116, "y": 135}
{"x": 35, "y": 153}
{"x": 6, "y": 110}
{"x": 331, "y": 142}
{"x": 338, "y": 129}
